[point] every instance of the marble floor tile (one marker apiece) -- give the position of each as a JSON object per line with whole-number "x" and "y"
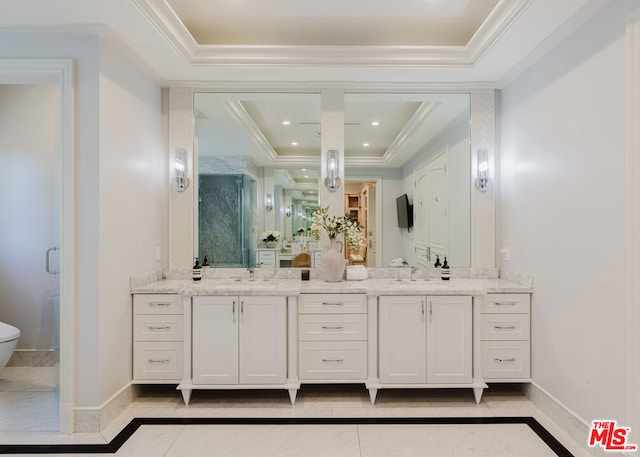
{"x": 152, "y": 441}
{"x": 314, "y": 401}
{"x": 267, "y": 441}
{"x": 28, "y": 379}
{"x": 29, "y": 412}
{"x": 481, "y": 440}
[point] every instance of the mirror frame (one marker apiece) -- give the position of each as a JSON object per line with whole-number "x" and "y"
{"x": 181, "y": 136}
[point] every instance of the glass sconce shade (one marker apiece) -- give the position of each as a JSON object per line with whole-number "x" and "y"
{"x": 332, "y": 181}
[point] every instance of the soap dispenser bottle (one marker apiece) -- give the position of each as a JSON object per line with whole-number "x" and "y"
{"x": 205, "y": 263}
{"x": 197, "y": 270}
{"x": 437, "y": 264}
{"x": 445, "y": 271}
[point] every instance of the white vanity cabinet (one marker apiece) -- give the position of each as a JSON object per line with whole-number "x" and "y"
{"x": 157, "y": 338}
{"x": 425, "y": 340}
{"x": 506, "y": 344}
{"x": 239, "y": 340}
{"x": 332, "y": 338}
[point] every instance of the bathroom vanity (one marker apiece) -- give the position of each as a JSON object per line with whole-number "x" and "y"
{"x": 283, "y": 333}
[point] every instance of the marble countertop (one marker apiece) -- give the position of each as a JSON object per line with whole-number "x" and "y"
{"x": 288, "y": 287}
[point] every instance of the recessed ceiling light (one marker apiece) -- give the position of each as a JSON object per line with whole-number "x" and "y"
{"x": 306, "y": 176}
{"x": 286, "y": 123}
{"x": 366, "y": 145}
{"x": 294, "y": 143}
{"x": 304, "y": 169}
{"x": 375, "y": 123}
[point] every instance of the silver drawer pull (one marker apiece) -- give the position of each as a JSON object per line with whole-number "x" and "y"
{"x": 156, "y": 328}
{"x": 505, "y": 360}
{"x": 159, "y": 304}
{"x": 504, "y": 327}
{"x": 333, "y": 360}
{"x": 332, "y": 303}
{"x": 505, "y": 303}
{"x": 336, "y": 327}
{"x": 164, "y": 361}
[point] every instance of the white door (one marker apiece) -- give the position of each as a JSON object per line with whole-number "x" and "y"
{"x": 215, "y": 340}
{"x": 420, "y": 208}
{"x": 402, "y": 345}
{"x": 437, "y": 205}
{"x": 449, "y": 339}
{"x": 263, "y": 340}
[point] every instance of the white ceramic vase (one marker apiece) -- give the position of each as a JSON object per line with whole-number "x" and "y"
{"x": 333, "y": 262}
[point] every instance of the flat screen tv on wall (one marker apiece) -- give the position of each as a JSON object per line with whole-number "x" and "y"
{"x": 405, "y": 211}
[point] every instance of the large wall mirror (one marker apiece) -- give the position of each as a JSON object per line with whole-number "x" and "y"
{"x": 257, "y": 162}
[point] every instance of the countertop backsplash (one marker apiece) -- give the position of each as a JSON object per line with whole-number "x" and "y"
{"x": 315, "y": 273}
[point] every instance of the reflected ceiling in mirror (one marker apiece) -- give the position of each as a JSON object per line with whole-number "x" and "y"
{"x": 278, "y": 134}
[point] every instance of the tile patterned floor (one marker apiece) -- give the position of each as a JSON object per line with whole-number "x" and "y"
{"x": 344, "y": 437}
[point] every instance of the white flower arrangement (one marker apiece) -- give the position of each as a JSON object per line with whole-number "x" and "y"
{"x": 270, "y": 235}
{"x": 337, "y": 225}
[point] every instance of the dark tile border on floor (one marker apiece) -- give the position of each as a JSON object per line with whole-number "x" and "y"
{"x": 131, "y": 428}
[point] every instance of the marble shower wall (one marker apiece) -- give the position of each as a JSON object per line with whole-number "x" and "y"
{"x": 220, "y": 220}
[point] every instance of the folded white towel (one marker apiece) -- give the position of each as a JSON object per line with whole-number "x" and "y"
{"x": 357, "y": 273}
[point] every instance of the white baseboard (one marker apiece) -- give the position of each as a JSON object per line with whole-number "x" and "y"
{"x": 572, "y": 424}
{"x": 93, "y": 420}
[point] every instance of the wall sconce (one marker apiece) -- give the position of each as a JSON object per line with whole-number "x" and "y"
{"x": 482, "y": 170}
{"x": 181, "y": 181}
{"x": 288, "y": 211}
{"x": 332, "y": 181}
{"x": 268, "y": 202}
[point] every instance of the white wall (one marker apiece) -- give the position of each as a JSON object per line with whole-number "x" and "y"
{"x": 133, "y": 195}
{"x": 562, "y": 211}
{"x": 29, "y": 133}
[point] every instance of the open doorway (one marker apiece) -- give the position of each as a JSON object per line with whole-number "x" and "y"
{"x": 361, "y": 204}
{"x": 36, "y": 242}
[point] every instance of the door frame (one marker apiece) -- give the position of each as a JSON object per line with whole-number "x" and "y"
{"x": 60, "y": 72}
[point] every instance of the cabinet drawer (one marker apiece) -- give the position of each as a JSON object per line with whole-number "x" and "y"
{"x": 333, "y": 303}
{"x": 157, "y": 304}
{"x": 505, "y": 360}
{"x": 507, "y": 303}
{"x": 333, "y": 327}
{"x": 268, "y": 255}
{"x": 333, "y": 360}
{"x": 158, "y": 327}
{"x": 505, "y": 327}
{"x": 158, "y": 361}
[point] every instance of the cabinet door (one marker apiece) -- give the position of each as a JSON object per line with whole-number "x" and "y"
{"x": 215, "y": 340}
{"x": 402, "y": 340}
{"x": 263, "y": 340}
{"x": 449, "y": 340}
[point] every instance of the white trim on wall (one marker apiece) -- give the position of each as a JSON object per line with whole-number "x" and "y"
{"x": 59, "y": 71}
{"x": 633, "y": 228}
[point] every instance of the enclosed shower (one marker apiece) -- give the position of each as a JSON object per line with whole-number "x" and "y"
{"x": 227, "y": 220}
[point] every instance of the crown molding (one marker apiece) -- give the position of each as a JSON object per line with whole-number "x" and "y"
{"x": 162, "y": 17}
{"x": 425, "y": 110}
{"x": 240, "y": 115}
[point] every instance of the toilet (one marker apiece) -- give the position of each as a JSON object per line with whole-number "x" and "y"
{"x": 8, "y": 341}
